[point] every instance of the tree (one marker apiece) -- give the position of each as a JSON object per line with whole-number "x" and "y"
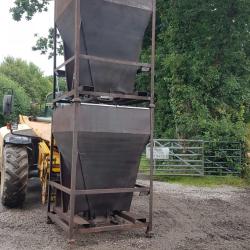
{"x": 203, "y": 66}
{"x": 21, "y": 99}
{"x": 203, "y": 77}
{"x": 29, "y": 76}
{"x": 46, "y": 44}
{"x": 28, "y": 8}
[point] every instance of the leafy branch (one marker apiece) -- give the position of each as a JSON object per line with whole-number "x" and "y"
{"x": 28, "y": 8}
{"x": 46, "y": 44}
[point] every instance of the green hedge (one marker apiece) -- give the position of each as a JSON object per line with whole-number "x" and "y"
{"x": 21, "y": 99}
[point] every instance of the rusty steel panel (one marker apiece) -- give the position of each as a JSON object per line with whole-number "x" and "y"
{"x": 112, "y": 29}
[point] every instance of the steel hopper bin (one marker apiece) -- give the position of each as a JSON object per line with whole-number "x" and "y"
{"x": 111, "y": 29}
{"x": 111, "y": 140}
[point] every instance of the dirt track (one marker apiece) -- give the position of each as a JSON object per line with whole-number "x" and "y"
{"x": 185, "y": 218}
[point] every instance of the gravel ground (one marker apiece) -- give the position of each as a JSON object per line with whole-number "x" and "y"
{"x": 184, "y": 218}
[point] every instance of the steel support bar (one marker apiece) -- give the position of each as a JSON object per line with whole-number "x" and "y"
{"x": 132, "y": 218}
{"x": 99, "y": 191}
{"x": 65, "y": 216}
{"x": 76, "y": 103}
{"x": 56, "y": 219}
{"x": 115, "y": 95}
{"x": 119, "y": 227}
{"x": 112, "y": 191}
{"x": 54, "y": 106}
{"x": 99, "y": 94}
{"x": 121, "y": 62}
{"x": 61, "y": 214}
{"x": 65, "y": 63}
{"x": 152, "y": 107}
{"x": 59, "y": 187}
{"x": 64, "y": 96}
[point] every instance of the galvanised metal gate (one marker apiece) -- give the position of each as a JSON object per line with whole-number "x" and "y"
{"x": 222, "y": 158}
{"x": 181, "y": 157}
{"x": 178, "y": 157}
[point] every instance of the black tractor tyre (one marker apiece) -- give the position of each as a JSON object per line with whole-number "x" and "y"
{"x": 14, "y": 175}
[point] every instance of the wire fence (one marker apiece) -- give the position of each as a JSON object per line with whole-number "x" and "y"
{"x": 193, "y": 158}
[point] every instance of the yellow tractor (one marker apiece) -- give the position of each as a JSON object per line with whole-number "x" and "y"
{"x": 25, "y": 153}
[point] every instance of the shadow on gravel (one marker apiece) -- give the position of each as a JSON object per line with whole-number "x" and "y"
{"x": 33, "y": 195}
{"x": 184, "y": 218}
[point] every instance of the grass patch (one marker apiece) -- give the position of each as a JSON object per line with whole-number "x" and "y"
{"x": 206, "y": 181}
{"x": 203, "y": 181}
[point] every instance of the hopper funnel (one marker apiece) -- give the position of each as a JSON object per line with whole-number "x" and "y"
{"x": 111, "y": 140}
{"x": 112, "y": 29}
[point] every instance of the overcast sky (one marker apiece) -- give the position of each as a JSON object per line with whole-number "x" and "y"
{"x": 17, "y": 38}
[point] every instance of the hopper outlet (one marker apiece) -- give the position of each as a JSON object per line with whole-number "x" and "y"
{"x": 111, "y": 29}
{"x": 111, "y": 140}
